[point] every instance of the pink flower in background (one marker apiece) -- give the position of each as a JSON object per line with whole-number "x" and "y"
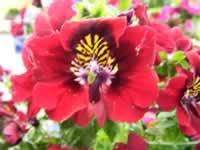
{"x": 167, "y": 12}
{"x": 13, "y": 133}
{"x": 149, "y": 118}
{"x": 191, "y": 6}
{"x": 188, "y": 25}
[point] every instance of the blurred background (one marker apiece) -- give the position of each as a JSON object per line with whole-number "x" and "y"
{"x": 9, "y": 58}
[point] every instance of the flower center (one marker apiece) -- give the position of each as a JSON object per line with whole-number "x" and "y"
{"x": 191, "y": 98}
{"x": 93, "y": 64}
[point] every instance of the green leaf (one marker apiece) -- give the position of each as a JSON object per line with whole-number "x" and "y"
{"x": 163, "y": 55}
{"x": 26, "y": 146}
{"x": 124, "y": 4}
{"x": 185, "y": 64}
{"x": 178, "y": 57}
{"x": 162, "y": 68}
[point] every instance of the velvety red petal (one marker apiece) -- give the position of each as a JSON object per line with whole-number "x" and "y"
{"x": 57, "y": 147}
{"x": 164, "y": 37}
{"x": 136, "y": 49}
{"x": 136, "y": 142}
{"x": 59, "y": 12}
{"x": 42, "y": 25}
{"x": 120, "y": 146}
{"x": 83, "y": 117}
{"x": 109, "y": 28}
{"x": 182, "y": 41}
{"x": 194, "y": 60}
{"x": 49, "y": 60}
{"x": 197, "y": 147}
{"x": 69, "y": 104}
{"x": 195, "y": 121}
{"x": 188, "y": 130}
{"x": 184, "y": 121}
{"x": 45, "y": 46}
{"x": 22, "y": 86}
{"x": 27, "y": 58}
{"x": 120, "y": 108}
{"x": 100, "y": 113}
{"x": 141, "y": 12}
{"x": 143, "y": 88}
{"x": 47, "y": 95}
{"x": 184, "y": 44}
{"x": 172, "y": 94}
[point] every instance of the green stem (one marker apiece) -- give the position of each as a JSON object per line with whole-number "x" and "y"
{"x": 172, "y": 144}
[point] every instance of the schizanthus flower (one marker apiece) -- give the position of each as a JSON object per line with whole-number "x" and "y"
{"x": 182, "y": 92}
{"x": 90, "y": 67}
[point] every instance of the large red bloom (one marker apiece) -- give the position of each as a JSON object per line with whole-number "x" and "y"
{"x": 97, "y": 69}
{"x": 182, "y": 93}
{"x": 135, "y": 142}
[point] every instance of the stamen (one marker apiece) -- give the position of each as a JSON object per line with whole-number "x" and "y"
{"x": 93, "y": 64}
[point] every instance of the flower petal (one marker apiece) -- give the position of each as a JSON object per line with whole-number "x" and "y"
{"x": 22, "y": 86}
{"x": 83, "y": 117}
{"x": 68, "y": 104}
{"x": 172, "y": 94}
{"x": 184, "y": 121}
{"x": 58, "y": 13}
{"x": 121, "y": 109}
{"x": 136, "y": 49}
{"x": 140, "y": 86}
{"x": 47, "y": 95}
{"x": 194, "y": 60}
{"x": 136, "y": 142}
{"x": 111, "y": 29}
{"x": 143, "y": 87}
{"x": 42, "y": 25}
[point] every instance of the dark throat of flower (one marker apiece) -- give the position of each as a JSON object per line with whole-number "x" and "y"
{"x": 93, "y": 64}
{"x": 191, "y": 98}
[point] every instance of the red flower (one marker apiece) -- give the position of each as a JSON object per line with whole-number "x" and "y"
{"x": 37, "y": 3}
{"x": 182, "y": 93}
{"x": 98, "y": 69}
{"x": 12, "y": 133}
{"x": 197, "y": 146}
{"x": 57, "y": 15}
{"x": 16, "y": 28}
{"x": 14, "y": 123}
{"x": 167, "y": 39}
{"x": 57, "y": 147}
{"x": 135, "y": 142}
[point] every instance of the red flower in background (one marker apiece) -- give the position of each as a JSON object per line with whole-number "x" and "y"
{"x": 37, "y": 3}
{"x": 182, "y": 93}
{"x": 57, "y": 15}
{"x": 135, "y": 142}
{"x": 99, "y": 71}
{"x": 14, "y": 123}
{"x": 197, "y": 147}
{"x": 57, "y": 147}
{"x": 17, "y": 28}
